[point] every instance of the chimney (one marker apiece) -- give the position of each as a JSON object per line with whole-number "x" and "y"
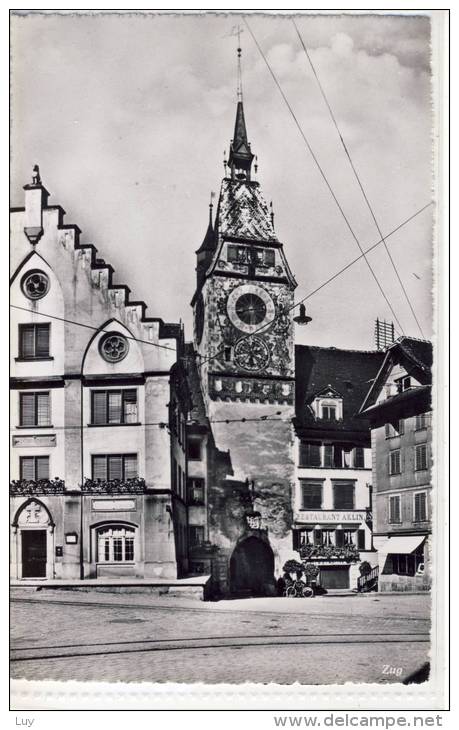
{"x": 36, "y": 198}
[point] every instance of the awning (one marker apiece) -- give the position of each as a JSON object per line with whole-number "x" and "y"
{"x": 404, "y": 544}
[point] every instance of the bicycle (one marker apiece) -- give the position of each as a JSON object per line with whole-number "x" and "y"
{"x": 298, "y": 589}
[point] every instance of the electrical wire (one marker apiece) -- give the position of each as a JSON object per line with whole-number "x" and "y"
{"x": 332, "y": 192}
{"x": 264, "y": 326}
{"x": 321, "y": 286}
{"x": 91, "y": 327}
{"x": 370, "y": 208}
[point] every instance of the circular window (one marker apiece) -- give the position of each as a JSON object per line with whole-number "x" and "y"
{"x": 113, "y": 347}
{"x": 35, "y": 284}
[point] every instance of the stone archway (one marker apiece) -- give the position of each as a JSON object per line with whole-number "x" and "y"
{"x": 252, "y": 568}
{"x": 33, "y": 541}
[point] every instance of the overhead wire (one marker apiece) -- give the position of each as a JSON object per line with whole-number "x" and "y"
{"x": 319, "y": 167}
{"x": 356, "y": 174}
{"x": 321, "y": 286}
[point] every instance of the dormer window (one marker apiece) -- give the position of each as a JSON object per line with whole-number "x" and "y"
{"x": 403, "y": 384}
{"x": 329, "y": 412}
{"x": 328, "y": 405}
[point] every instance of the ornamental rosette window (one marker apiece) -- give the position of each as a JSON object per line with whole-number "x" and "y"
{"x": 35, "y": 284}
{"x": 113, "y": 347}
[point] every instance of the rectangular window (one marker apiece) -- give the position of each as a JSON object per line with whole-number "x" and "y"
{"x": 114, "y": 466}
{"x": 269, "y": 257}
{"x": 359, "y": 457}
{"x": 329, "y": 413}
{"x": 343, "y": 495}
{"x": 113, "y": 407}
{"x": 195, "y": 535}
{"x": 328, "y": 455}
{"x": 232, "y": 253}
{"x": 421, "y": 421}
{"x": 33, "y": 341}
{"x": 306, "y": 537}
{"x": 196, "y": 491}
{"x": 421, "y": 457}
{"x": 311, "y": 495}
{"x": 407, "y": 564}
{"x": 34, "y": 468}
{"x": 394, "y": 462}
{"x": 194, "y": 448}
{"x": 346, "y": 458}
{"x": 395, "y": 515}
{"x": 420, "y": 507}
{"x": 403, "y": 383}
{"x": 34, "y": 409}
{"x": 310, "y": 454}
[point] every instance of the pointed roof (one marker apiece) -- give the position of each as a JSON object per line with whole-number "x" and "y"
{"x": 208, "y": 243}
{"x": 240, "y": 152}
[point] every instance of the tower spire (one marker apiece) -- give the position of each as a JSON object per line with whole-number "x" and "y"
{"x": 240, "y": 156}
{"x": 239, "y": 65}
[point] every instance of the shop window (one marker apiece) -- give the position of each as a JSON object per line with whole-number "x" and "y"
{"x": 113, "y": 407}
{"x": 395, "y": 515}
{"x": 407, "y": 564}
{"x": 394, "y": 462}
{"x": 421, "y": 457}
{"x": 310, "y": 454}
{"x": 34, "y": 341}
{"x": 34, "y": 409}
{"x": 34, "y": 468}
{"x": 311, "y": 494}
{"x": 196, "y": 491}
{"x": 343, "y": 495}
{"x": 194, "y": 448}
{"x": 420, "y": 507}
{"x": 114, "y": 466}
{"x": 115, "y": 544}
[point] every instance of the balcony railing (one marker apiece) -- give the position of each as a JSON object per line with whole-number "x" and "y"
{"x": 26, "y": 487}
{"x": 114, "y": 486}
{"x": 329, "y": 552}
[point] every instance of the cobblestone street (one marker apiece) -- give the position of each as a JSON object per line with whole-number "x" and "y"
{"x": 134, "y": 637}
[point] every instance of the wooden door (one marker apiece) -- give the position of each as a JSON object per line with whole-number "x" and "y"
{"x": 33, "y": 553}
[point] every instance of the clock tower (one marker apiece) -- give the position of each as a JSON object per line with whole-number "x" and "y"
{"x": 244, "y": 344}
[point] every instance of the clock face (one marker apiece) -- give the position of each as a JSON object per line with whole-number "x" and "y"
{"x": 251, "y": 354}
{"x": 250, "y": 307}
{"x": 199, "y": 318}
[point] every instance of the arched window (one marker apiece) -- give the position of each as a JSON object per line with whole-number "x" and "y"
{"x": 115, "y": 544}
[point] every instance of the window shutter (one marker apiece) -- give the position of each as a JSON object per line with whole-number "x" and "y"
{"x": 338, "y": 456}
{"x": 42, "y": 340}
{"x": 42, "y": 467}
{"x": 99, "y": 467}
{"x": 114, "y": 407}
{"x": 43, "y": 409}
{"x": 343, "y": 495}
{"x": 339, "y": 538}
{"x": 361, "y": 539}
{"x": 359, "y": 457}
{"x": 318, "y": 537}
{"x": 296, "y": 539}
{"x": 99, "y": 406}
{"x": 27, "y": 409}
{"x": 27, "y": 467}
{"x": 130, "y": 466}
{"x": 115, "y": 467}
{"x": 27, "y": 340}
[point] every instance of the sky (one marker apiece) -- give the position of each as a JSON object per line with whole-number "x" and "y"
{"x": 128, "y": 116}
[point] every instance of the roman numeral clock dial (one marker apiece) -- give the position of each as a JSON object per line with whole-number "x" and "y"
{"x": 250, "y": 308}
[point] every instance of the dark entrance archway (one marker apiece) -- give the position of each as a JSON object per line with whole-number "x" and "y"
{"x": 252, "y": 569}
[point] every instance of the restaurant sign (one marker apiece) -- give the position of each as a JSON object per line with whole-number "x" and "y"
{"x": 332, "y": 516}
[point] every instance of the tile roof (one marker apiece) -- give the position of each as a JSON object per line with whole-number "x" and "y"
{"x": 349, "y": 372}
{"x": 243, "y": 213}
